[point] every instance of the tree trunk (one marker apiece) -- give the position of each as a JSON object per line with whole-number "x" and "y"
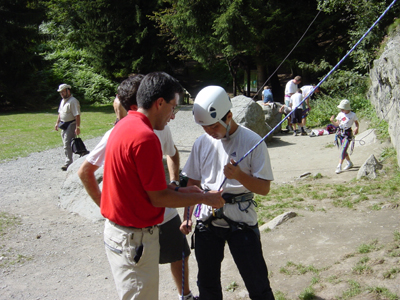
{"x": 261, "y": 77}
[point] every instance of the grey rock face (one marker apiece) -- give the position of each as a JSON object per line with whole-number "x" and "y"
{"x": 73, "y": 196}
{"x": 248, "y": 113}
{"x": 384, "y": 92}
{"x": 369, "y": 167}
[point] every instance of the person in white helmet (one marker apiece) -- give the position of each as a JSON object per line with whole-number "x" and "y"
{"x": 68, "y": 120}
{"x": 211, "y": 161}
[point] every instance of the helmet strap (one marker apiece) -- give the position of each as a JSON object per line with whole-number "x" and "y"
{"x": 228, "y": 128}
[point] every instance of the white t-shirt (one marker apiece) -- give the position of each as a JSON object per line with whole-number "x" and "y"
{"x": 346, "y": 120}
{"x": 97, "y": 155}
{"x": 290, "y": 88}
{"x": 306, "y": 89}
{"x": 69, "y": 109}
{"x": 296, "y": 100}
{"x": 206, "y": 163}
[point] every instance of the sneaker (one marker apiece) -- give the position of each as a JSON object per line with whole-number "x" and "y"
{"x": 338, "y": 169}
{"x": 189, "y": 297}
{"x": 304, "y": 133}
{"x": 64, "y": 168}
{"x": 295, "y": 133}
{"x": 349, "y": 166}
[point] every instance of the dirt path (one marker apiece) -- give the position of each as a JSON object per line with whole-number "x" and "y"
{"x": 54, "y": 254}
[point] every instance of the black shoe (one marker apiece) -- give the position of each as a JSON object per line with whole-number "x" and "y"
{"x": 64, "y": 168}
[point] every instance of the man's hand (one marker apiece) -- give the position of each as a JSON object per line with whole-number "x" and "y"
{"x": 214, "y": 199}
{"x": 56, "y": 127}
{"x": 231, "y": 171}
{"x": 186, "y": 227}
{"x": 77, "y": 131}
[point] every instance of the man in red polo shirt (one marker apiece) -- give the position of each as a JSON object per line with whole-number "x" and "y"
{"x": 135, "y": 191}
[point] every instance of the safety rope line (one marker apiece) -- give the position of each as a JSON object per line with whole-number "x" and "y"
{"x": 317, "y": 86}
{"x": 309, "y": 26}
{"x": 183, "y": 256}
{"x": 276, "y": 70}
{"x": 360, "y": 141}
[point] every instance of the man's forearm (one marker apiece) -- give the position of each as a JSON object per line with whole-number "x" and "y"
{"x": 86, "y": 174}
{"x": 173, "y": 165}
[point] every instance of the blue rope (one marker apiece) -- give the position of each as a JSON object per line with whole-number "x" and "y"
{"x": 183, "y": 255}
{"x": 317, "y": 86}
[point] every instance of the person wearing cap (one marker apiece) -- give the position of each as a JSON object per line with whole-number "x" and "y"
{"x": 135, "y": 191}
{"x": 290, "y": 89}
{"x": 212, "y": 166}
{"x": 68, "y": 120}
{"x": 345, "y": 120}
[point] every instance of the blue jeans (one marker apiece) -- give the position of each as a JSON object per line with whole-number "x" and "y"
{"x": 245, "y": 247}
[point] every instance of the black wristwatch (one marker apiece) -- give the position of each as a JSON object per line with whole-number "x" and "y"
{"x": 176, "y": 182}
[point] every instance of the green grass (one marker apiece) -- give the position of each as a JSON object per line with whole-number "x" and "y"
{"x": 7, "y": 221}
{"x": 353, "y": 290}
{"x": 383, "y": 293}
{"x": 22, "y": 133}
{"x": 366, "y": 248}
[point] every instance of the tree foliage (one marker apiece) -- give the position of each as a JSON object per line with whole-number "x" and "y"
{"x": 118, "y": 35}
{"x": 20, "y": 65}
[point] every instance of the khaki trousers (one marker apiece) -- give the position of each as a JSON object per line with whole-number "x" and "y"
{"x": 135, "y": 278}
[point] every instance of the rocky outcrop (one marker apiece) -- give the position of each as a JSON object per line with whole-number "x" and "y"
{"x": 369, "y": 167}
{"x": 73, "y": 196}
{"x": 272, "y": 115}
{"x": 248, "y": 113}
{"x": 384, "y": 92}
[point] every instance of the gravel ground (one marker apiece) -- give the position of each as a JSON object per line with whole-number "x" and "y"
{"x": 55, "y": 254}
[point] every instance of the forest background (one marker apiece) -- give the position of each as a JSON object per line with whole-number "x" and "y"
{"x": 94, "y": 45}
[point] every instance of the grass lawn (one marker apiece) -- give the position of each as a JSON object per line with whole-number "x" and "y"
{"x": 22, "y": 133}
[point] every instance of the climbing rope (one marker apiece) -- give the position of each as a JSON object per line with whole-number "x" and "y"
{"x": 183, "y": 256}
{"x": 316, "y": 87}
{"x": 361, "y": 142}
{"x": 288, "y": 54}
{"x": 276, "y": 70}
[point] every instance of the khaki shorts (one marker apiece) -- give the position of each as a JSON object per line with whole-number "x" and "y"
{"x": 135, "y": 276}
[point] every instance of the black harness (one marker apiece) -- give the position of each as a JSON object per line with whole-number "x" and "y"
{"x": 219, "y": 214}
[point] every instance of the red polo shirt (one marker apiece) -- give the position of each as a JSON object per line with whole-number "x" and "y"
{"x": 133, "y": 165}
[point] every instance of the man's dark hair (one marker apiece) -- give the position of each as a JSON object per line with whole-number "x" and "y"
{"x": 157, "y": 85}
{"x": 127, "y": 91}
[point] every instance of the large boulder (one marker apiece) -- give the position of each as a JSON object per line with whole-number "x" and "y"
{"x": 368, "y": 169}
{"x": 385, "y": 88}
{"x": 248, "y": 113}
{"x": 272, "y": 115}
{"x": 73, "y": 196}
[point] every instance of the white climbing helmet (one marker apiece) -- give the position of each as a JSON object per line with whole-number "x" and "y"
{"x": 211, "y": 105}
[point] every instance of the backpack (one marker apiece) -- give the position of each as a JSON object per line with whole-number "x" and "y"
{"x": 78, "y": 147}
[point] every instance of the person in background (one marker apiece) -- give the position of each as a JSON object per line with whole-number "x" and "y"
{"x": 267, "y": 97}
{"x": 298, "y": 112}
{"x": 290, "y": 89}
{"x": 306, "y": 91}
{"x": 68, "y": 120}
{"x": 345, "y": 120}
